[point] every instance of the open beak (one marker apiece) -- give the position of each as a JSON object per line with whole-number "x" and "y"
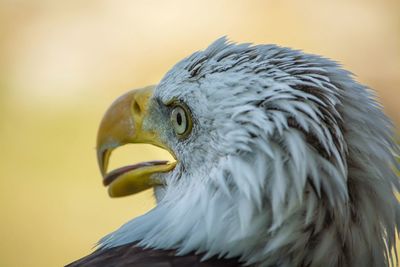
{"x": 123, "y": 124}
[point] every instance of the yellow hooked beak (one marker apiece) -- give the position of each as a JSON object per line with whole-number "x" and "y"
{"x": 123, "y": 124}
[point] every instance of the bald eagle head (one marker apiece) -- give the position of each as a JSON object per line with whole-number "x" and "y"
{"x": 281, "y": 158}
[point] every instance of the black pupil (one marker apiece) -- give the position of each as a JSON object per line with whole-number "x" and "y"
{"x": 179, "y": 118}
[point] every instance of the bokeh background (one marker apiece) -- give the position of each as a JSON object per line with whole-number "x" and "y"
{"x": 63, "y": 62}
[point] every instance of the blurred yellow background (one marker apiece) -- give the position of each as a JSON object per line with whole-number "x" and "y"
{"x": 63, "y": 62}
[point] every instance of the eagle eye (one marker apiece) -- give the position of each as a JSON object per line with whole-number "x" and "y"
{"x": 181, "y": 120}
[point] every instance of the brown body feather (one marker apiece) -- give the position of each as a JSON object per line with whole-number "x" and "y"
{"x": 132, "y": 255}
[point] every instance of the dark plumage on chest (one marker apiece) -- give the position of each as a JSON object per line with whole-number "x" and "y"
{"x": 131, "y": 255}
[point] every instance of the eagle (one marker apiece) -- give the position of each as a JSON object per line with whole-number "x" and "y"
{"x": 281, "y": 159}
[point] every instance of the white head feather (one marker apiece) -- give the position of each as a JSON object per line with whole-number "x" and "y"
{"x": 290, "y": 163}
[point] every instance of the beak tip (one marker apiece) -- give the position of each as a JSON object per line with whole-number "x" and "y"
{"x": 102, "y": 160}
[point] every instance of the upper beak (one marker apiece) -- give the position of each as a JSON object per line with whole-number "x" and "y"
{"x": 123, "y": 124}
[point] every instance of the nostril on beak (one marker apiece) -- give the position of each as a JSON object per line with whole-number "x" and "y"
{"x": 136, "y": 108}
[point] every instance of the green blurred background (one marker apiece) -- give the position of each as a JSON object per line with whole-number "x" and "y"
{"x": 63, "y": 62}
